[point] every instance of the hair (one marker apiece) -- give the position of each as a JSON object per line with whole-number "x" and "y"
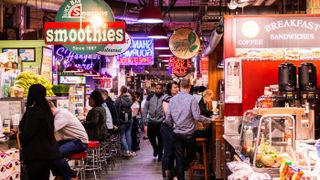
{"x": 105, "y": 92}
{"x": 185, "y": 83}
{"x": 123, "y": 90}
{"x": 97, "y": 98}
{"x": 158, "y": 85}
{"x": 207, "y": 93}
{"x": 133, "y": 97}
{"x": 169, "y": 87}
{"x": 37, "y": 98}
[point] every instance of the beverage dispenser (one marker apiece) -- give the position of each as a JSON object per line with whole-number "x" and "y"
{"x": 287, "y": 80}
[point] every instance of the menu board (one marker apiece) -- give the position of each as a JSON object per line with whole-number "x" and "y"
{"x": 46, "y": 64}
{"x": 9, "y": 108}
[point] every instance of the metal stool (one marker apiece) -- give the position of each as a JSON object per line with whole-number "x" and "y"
{"x": 204, "y": 166}
{"x": 79, "y": 167}
{"x": 93, "y": 162}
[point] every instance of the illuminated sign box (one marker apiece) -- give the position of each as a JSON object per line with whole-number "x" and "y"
{"x": 140, "y": 52}
{"x": 72, "y": 80}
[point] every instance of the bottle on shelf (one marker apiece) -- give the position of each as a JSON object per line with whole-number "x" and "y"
{"x": 248, "y": 137}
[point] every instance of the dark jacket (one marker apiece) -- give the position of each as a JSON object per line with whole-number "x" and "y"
{"x": 122, "y": 101}
{"x": 35, "y": 141}
{"x": 113, "y": 111}
{"x": 95, "y": 124}
{"x": 203, "y": 109}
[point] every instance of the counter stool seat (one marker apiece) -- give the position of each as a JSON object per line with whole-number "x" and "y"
{"x": 80, "y": 167}
{"x": 93, "y": 144}
{"x": 204, "y": 167}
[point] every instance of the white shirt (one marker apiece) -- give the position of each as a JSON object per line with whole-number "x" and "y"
{"x": 135, "y": 109}
{"x": 68, "y": 127}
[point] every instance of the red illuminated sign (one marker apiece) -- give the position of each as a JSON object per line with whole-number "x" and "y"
{"x": 106, "y": 83}
{"x": 204, "y": 66}
{"x": 180, "y": 67}
{"x": 135, "y": 60}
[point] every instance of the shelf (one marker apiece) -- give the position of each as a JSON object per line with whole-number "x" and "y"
{"x": 76, "y": 102}
{"x": 75, "y": 94}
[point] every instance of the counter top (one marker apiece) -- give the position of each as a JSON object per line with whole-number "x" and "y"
{"x": 234, "y": 142}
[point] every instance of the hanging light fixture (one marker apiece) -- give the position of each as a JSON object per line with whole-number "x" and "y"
{"x": 157, "y": 32}
{"x": 161, "y": 44}
{"x": 150, "y": 14}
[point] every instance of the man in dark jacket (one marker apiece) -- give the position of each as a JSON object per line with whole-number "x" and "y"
{"x": 111, "y": 106}
{"x": 153, "y": 107}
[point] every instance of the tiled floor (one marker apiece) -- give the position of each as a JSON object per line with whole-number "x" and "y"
{"x": 142, "y": 167}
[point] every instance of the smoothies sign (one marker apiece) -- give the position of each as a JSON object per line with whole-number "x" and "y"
{"x": 84, "y": 27}
{"x": 140, "y": 52}
{"x": 277, "y": 37}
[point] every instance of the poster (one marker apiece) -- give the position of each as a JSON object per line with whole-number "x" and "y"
{"x": 27, "y": 54}
{"x": 46, "y": 64}
{"x": 233, "y": 78}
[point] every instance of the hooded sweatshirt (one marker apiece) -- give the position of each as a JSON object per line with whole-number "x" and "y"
{"x": 123, "y": 101}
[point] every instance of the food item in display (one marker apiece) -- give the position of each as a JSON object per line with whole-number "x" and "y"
{"x": 242, "y": 53}
{"x": 267, "y": 160}
{"x": 267, "y": 54}
{"x": 26, "y": 79}
{"x": 292, "y": 54}
{"x": 254, "y": 54}
{"x": 316, "y": 54}
{"x": 305, "y": 54}
{"x": 278, "y": 54}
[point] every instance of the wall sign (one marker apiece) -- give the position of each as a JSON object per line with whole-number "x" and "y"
{"x": 84, "y": 27}
{"x": 116, "y": 49}
{"x": 106, "y": 83}
{"x": 72, "y": 80}
{"x": 233, "y": 80}
{"x": 140, "y": 52}
{"x": 46, "y": 64}
{"x": 184, "y": 43}
{"x": 277, "y": 37}
{"x": 180, "y": 67}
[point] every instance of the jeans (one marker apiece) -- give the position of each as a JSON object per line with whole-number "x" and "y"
{"x": 67, "y": 148}
{"x": 134, "y": 134}
{"x": 168, "y": 153}
{"x": 125, "y": 136}
{"x": 155, "y": 138}
{"x": 182, "y": 144}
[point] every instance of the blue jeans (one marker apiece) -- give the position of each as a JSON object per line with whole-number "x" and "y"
{"x": 67, "y": 148}
{"x": 125, "y": 136}
{"x": 168, "y": 153}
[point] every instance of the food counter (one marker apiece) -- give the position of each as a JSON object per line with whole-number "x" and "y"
{"x": 9, "y": 160}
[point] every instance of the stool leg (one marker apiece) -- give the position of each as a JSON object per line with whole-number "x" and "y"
{"x": 191, "y": 173}
{"x": 205, "y": 160}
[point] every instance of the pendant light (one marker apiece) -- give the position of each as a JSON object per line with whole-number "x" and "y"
{"x": 150, "y": 14}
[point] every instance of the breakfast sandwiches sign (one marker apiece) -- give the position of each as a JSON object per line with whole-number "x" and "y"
{"x": 277, "y": 37}
{"x": 84, "y": 27}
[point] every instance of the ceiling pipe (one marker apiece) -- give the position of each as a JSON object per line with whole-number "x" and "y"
{"x": 258, "y": 2}
{"x": 37, "y": 4}
{"x": 215, "y": 38}
{"x": 269, "y": 2}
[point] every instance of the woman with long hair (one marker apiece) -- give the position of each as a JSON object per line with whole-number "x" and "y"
{"x": 136, "y": 116}
{"x": 39, "y": 147}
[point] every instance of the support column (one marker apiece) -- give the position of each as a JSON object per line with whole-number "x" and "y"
{"x": 21, "y": 20}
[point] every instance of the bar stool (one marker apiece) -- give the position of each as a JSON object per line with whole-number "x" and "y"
{"x": 93, "y": 162}
{"x": 204, "y": 166}
{"x": 80, "y": 166}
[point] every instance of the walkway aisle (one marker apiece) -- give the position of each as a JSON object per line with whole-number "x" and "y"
{"x": 141, "y": 167}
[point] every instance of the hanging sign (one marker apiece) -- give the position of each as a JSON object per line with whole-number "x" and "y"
{"x": 106, "y": 83}
{"x": 204, "y": 65}
{"x": 140, "y": 52}
{"x": 184, "y": 43}
{"x": 72, "y": 80}
{"x": 84, "y": 27}
{"x": 180, "y": 67}
{"x": 116, "y": 49}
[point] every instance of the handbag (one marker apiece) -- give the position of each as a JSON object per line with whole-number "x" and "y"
{"x": 23, "y": 166}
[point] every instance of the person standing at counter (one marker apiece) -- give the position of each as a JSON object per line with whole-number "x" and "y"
{"x": 123, "y": 106}
{"x": 182, "y": 116}
{"x": 167, "y": 133}
{"x": 112, "y": 108}
{"x": 153, "y": 107}
{"x": 95, "y": 123}
{"x": 39, "y": 146}
{"x": 72, "y": 138}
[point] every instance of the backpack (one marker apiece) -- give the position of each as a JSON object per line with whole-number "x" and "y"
{"x": 125, "y": 114}
{"x": 109, "y": 121}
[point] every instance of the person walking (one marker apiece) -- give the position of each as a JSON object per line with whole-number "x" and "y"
{"x": 136, "y": 116}
{"x": 123, "y": 105}
{"x": 153, "y": 107}
{"x": 72, "y": 138}
{"x": 95, "y": 123}
{"x": 183, "y": 112}
{"x": 39, "y": 146}
{"x": 167, "y": 133}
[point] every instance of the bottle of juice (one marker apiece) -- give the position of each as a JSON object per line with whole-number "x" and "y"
{"x": 298, "y": 175}
{"x": 284, "y": 170}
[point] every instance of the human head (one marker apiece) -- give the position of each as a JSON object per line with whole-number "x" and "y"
{"x": 159, "y": 89}
{"x": 104, "y": 94}
{"x": 95, "y": 99}
{"x": 207, "y": 96}
{"x": 172, "y": 88}
{"x": 185, "y": 85}
{"x": 138, "y": 96}
{"x": 132, "y": 96}
{"x": 123, "y": 90}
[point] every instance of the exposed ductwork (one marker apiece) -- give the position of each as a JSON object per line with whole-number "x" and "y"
{"x": 215, "y": 38}
{"x": 269, "y": 2}
{"x": 53, "y": 5}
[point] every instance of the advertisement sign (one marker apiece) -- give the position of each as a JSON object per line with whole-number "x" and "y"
{"x": 116, "y": 49}
{"x": 233, "y": 80}
{"x": 84, "y": 27}
{"x": 72, "y": 80}
{"x": 106, "y": 83}
{"x": 46, "y": 64}
{"x": 180, "y": 67}
{"x": 277, "y": 37}
{"x": 204, "y": 65}
{"x": 140, "y": 52}
{"x": 184, "y": 43}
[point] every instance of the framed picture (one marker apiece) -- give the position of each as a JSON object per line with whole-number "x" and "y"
{"x": 29, "y": 68}
{"x": 46, "y": 63}
{"x": 12, "y": 54}
{"x": 27, "y": 54}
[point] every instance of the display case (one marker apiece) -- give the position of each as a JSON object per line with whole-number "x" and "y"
{"x": 275, "y": 143}
{"x": 77, "y": 99}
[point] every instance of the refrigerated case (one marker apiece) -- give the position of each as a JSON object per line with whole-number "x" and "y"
{"x": 77, "y": 99}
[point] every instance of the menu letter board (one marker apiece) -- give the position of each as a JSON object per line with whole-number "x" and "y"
{"x": 46, "y": 64}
